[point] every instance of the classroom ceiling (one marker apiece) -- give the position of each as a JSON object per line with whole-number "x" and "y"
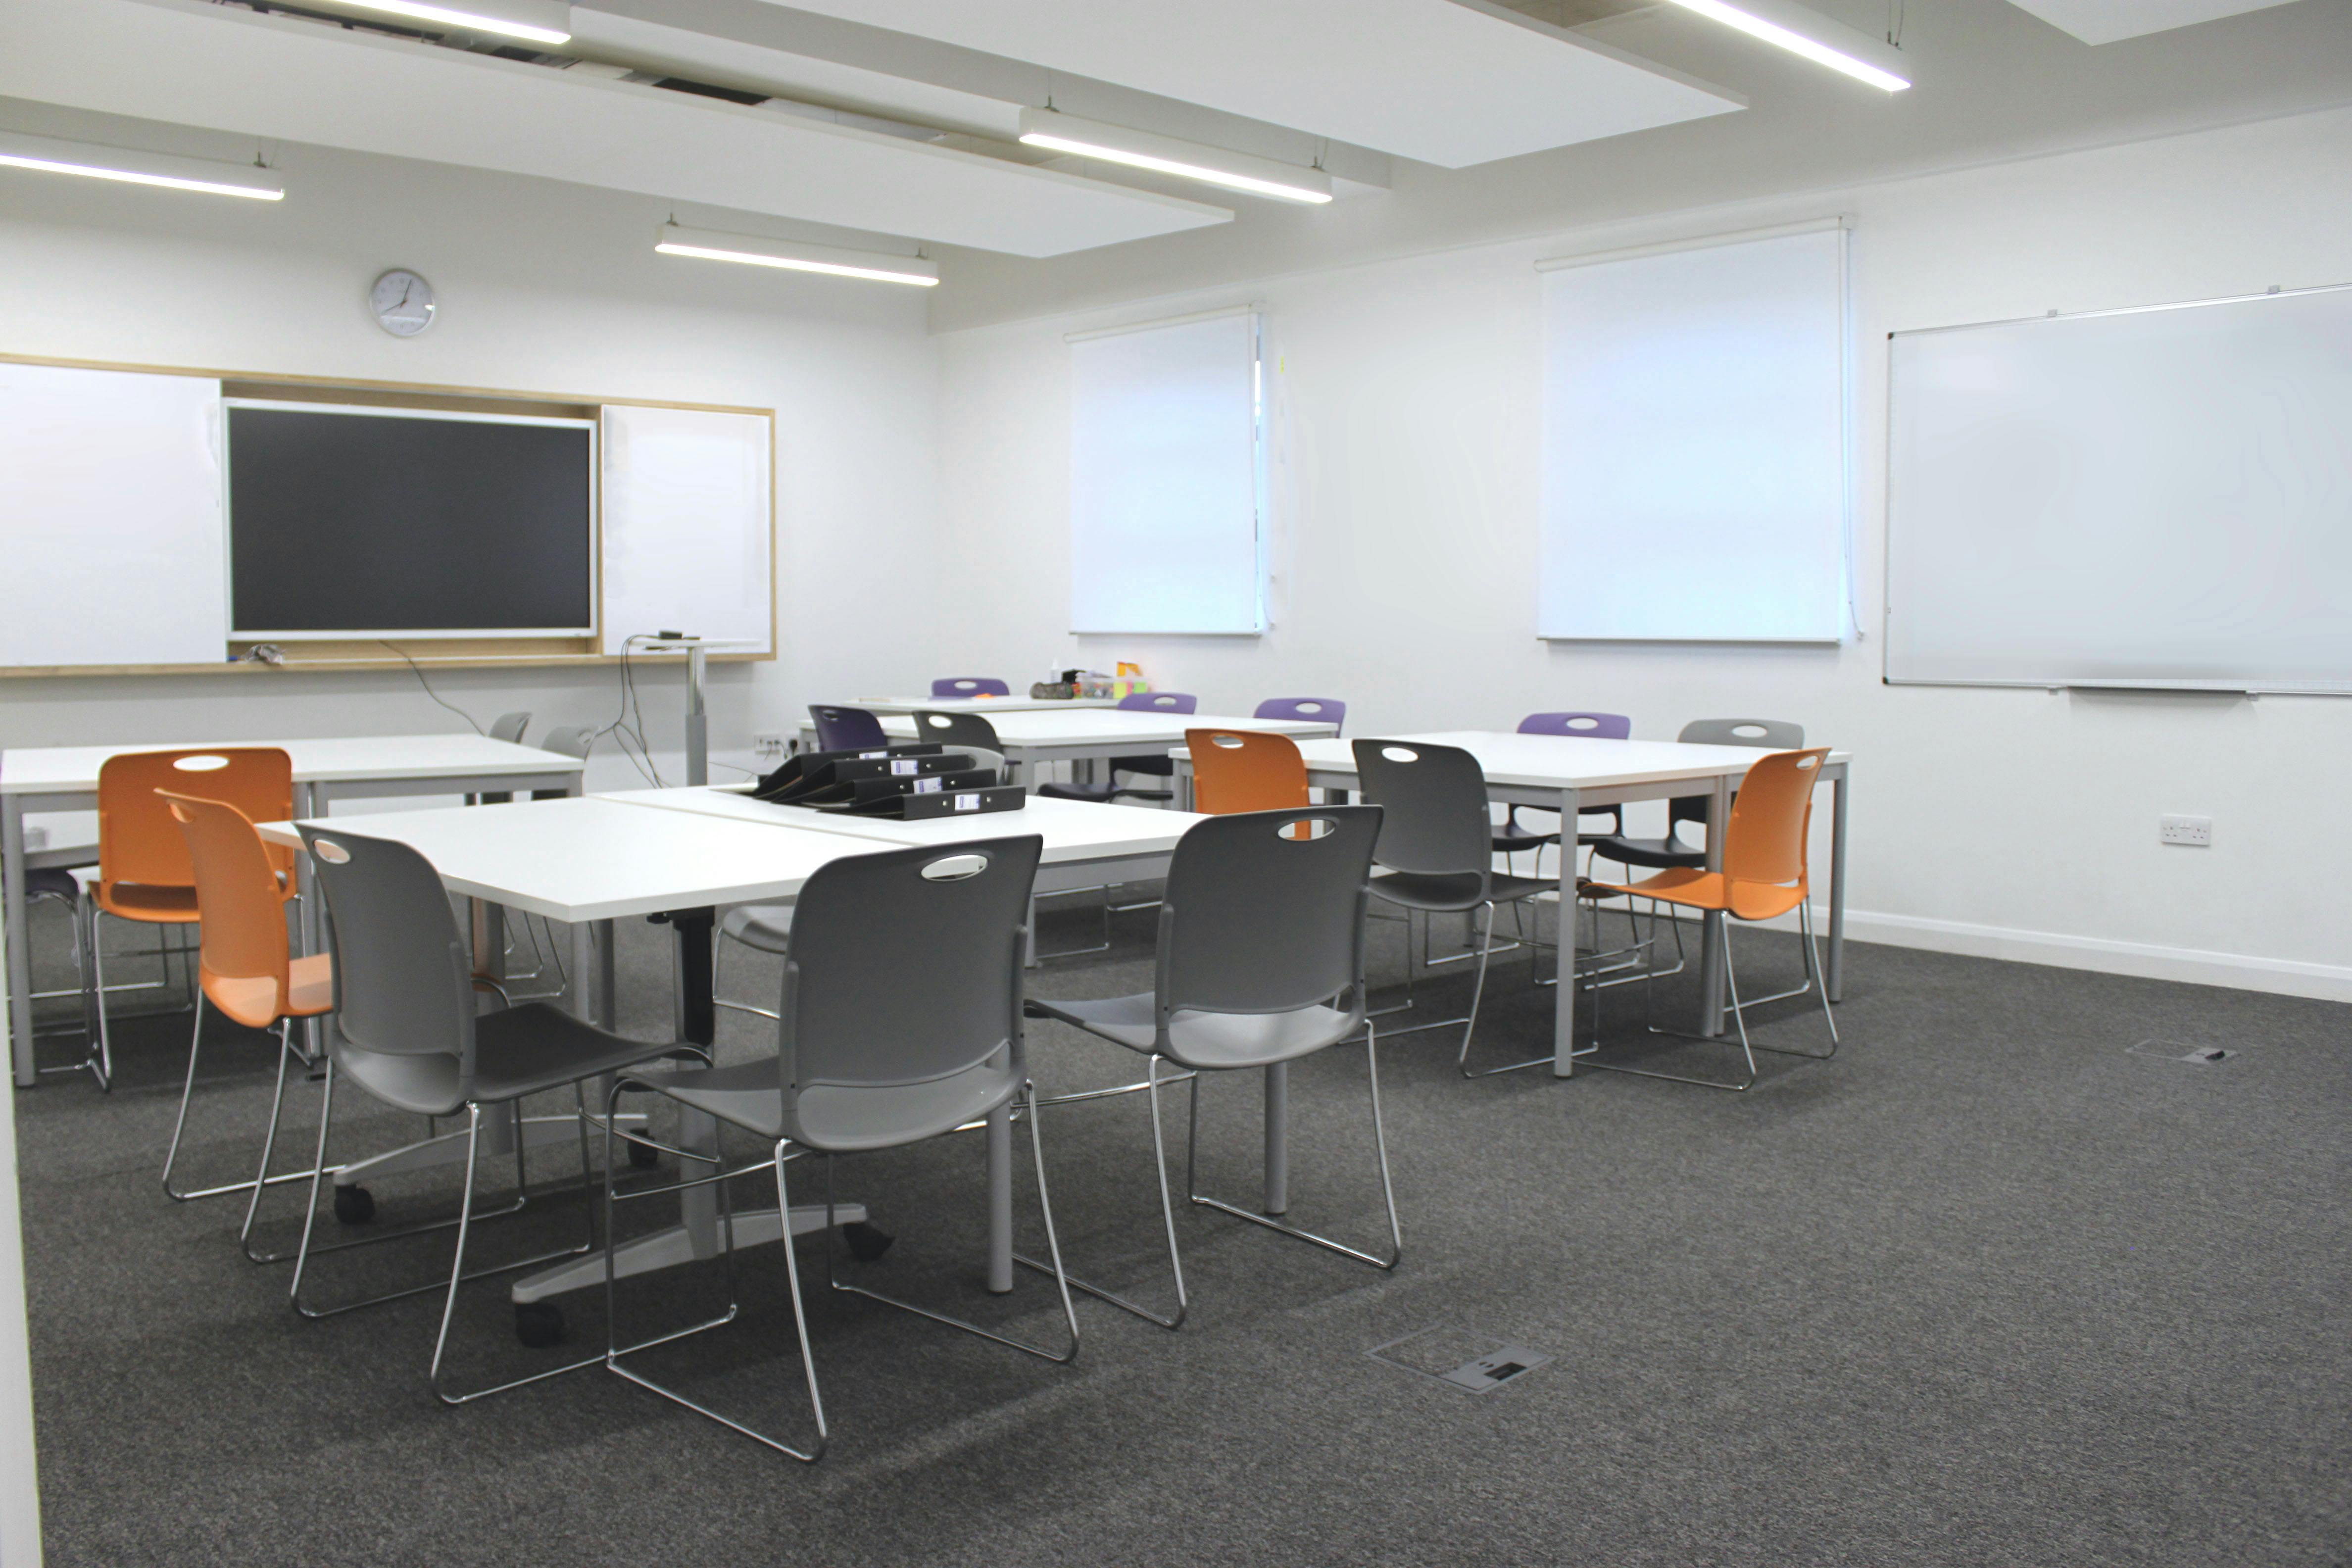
{"x": 896, "y": 122}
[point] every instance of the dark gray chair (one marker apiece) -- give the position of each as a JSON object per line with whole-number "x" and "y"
{"x": 505, "y": 727}
{"x": 1437, "y": 850}
{"x": 1261, "y": 962}
{"x": 407, "y": 1034}
{"x": 58, "y": 885}
{"x": 901, "y": 1022}
{"x": 1674, "y": 852}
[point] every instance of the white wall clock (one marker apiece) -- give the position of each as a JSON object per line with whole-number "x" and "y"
{"x": 402, "y": 303}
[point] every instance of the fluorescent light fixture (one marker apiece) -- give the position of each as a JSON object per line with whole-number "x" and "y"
{"x": 879, "y": 267}
{"x": 53, "y": 156}
{"x": 1165, "y": 155}
{"x": 1800, "y": 31}
{"x": 535, "y": 21}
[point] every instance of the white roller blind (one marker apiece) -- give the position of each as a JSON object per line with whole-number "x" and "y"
{"x": 1165, "y": 479}
{"x": 687, "y": 521}
{"x": 1695, "y": 464}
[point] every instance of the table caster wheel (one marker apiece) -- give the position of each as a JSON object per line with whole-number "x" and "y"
{"x": 865, "y": 1243}
{"x": 354, "y": 1205}
{"x": 644, "y": 1156}
{"x": 539, "y": 1325}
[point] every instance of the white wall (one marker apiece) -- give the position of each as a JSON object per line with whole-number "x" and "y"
{"x": 1405, "y": 439}
{"x": 545, "y": 288}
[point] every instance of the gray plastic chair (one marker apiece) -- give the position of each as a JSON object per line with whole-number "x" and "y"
{"x": 58, "y": 885}
{"x": 407, "y": 1034}
{"x": 505, "y": 727}
{"x": 901, "y": 1022}
{"x": 1437, "y": 848}
{"x": 1261, "y": 962}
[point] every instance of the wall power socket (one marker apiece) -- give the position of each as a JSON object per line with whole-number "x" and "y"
{"x": 2191, "y": 830}
{"x": 767, "y": 746}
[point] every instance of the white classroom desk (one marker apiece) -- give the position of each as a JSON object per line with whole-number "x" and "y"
{"x": 1560, "y": 772}
{"x": 65, "y": 778}
{"x": 975, "y": 704}
{"x": 1031, "y": 740}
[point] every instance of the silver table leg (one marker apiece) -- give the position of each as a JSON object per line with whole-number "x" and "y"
{"x": 1563, "y": 1023}
{"x": 1712, "y": 934}
{"x": 1000, "y": 1199}
{"x": 1834, "y": 968}
{"x": 1277, "y": 1138}
{"x": 20, "y": 948}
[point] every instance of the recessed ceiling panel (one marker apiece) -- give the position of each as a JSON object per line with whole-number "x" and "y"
{"x": 2105, "y": 21}
{"x": 265, "y": 76}
{"x": 1447, "y": 83}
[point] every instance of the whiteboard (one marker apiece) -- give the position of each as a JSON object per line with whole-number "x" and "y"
{"x": 2157, "y": 498}
{"x": 110, "y": 524}
{"x": 687, "y": 507}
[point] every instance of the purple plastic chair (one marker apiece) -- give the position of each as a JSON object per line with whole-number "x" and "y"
{"x": 846, "y": 729}
{"x": 1161, "y": 702}
{"x": 970, "y": 686}
{"x": 1513, "y": 838}
{"x": 1308, "y": 708}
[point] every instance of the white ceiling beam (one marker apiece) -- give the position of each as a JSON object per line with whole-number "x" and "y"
{"x": 2107, "y": 21}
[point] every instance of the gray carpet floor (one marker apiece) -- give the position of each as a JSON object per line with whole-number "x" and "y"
{"x": 1987, "y": 1288}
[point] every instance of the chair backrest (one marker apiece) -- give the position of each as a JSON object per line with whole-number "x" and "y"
{"x": 1311, "y": 708}
{"x": 1591, "y": 726}
{"x": 243, "y": 919}
{"x": 1245, "y": 770}
{"x": 1769, "y": 734}
{"x": 1766, "y": 840}
{"x": 1264, "y": 912}
{"x": 139, "y": 840}
{"x": 905, "y": 967}
{"x": 970, "y": 686}
{"x": 1435, "y": 798}
{"x": 509, "y": 726}
{"x": 404, "y": 978}
{"x": 954, "y": 730}
{"x": 1161, "y": 702}
{"x": 846, "y": 729}
{"x": 571, "y": 741}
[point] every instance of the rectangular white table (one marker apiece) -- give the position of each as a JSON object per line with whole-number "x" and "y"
{"x": 65, "y": 778}
{"x": 1031, "y": 740}
{"x": 1561, "y": 773}
{"x": 977, "y": 704}
{"x": 591, "y": 861}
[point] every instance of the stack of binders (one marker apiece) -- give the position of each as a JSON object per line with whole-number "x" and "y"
{"x": 913, "y": 783}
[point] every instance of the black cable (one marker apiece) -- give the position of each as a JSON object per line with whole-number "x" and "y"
{"x": 620, "y": 728}
{"x": 417, "y": 670}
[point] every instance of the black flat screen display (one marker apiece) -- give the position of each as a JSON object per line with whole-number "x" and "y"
{"x": 372, "y": 522}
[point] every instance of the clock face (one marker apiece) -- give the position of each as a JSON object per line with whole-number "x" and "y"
{"x": 402, "y": 303}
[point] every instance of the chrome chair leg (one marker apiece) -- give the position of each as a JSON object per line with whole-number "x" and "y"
{"x": 1150, "y": 1087}
{"x": 1379, "y": 1145}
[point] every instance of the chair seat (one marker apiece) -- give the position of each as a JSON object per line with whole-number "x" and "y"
{"x": 522, "y": 1050}
{"x": 1512, "y": 839}
{"x": 1099, "y": 794}
{"x": 1652, "y": 854}
{"x": 151, "y": 902}
{"x": 1708, "y": 890}
{"x": 1460, "y": 890}
{"x": 52, "y": 882}
{"x": 835, "y": 1119}
{"x": 1160, "y": 766}
{"x": 252, "y": 999}
{"x": 767, "y": 927}
{"x": 1210, "y": 1040}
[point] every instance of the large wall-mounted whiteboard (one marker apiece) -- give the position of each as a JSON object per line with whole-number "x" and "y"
{"x": 2156, "y": 497}
{"x": 688, "y": 526}
{"x": 111, "y": 543}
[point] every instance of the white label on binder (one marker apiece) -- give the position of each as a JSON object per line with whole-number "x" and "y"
{"x": 967, "y": 803}
{"x": 928, "y": 786}
{"x": 902, "y": 766}
{"x": 870, "y": 756}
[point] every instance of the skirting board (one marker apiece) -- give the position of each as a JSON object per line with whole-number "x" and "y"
{"x": 2147, "y": 960}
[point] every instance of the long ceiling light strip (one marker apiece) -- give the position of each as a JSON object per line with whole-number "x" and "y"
{"x": 1061, "y": 132}
{"x": 535, "y": 21}
{"x": 875, "y": 266}
{"x": 52, "y": 156}
{"x": 1753, "y": 17}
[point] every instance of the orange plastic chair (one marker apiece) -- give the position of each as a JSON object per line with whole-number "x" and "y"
{"x": 245, "y": 966}
{"x": 1245, "y": 770}
{"x": 1763, "y": 877}
{"x": 143, "y": 870}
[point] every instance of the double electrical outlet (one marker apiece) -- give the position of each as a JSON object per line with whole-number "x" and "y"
{"x": 2191, "y": 830}
{"x": 767, "y": 746}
